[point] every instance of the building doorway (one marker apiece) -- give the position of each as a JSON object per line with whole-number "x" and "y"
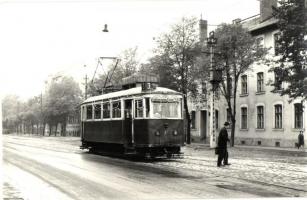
{"x": 203, "y": 126}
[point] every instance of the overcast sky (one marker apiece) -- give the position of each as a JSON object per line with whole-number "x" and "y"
{"x": 43, "y": 37}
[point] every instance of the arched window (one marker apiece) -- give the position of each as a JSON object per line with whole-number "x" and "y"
{"x": 278, "y": 116}
{"x": 298, "y": 116}
{"x": 260, "y": 82}
{"x": 243, "y": 117}
{"x": 244, "y": 84}
{"x": 260, "y": 117}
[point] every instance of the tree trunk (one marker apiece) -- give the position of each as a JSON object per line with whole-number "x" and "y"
{"x": 37, "y": 128}
{"x": 233, "y": 128}
{"x": 24, "y": 128}
{"x": 44, "y": 127}
{"x": 56, "y": 129}
{"x": 32, "y": 128}
{"x": 50, "y": 128}
{"x": 64, "y": 129}
{"x": 185, "y": 103}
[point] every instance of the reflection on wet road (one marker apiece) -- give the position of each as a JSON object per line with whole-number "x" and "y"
{"x": 77, "y": 174}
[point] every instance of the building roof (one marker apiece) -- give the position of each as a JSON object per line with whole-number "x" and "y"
{"x": 139, "y": 78}
{"x": 269, "y": 22}
{"x": 130, "y": 92}
{"x": 256, "y": 25}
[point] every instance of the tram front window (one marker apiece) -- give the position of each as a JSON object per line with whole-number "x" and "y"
{"x": 165, "y": 109}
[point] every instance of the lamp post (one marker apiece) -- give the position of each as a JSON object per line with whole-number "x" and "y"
{"x": 215, "y": 79}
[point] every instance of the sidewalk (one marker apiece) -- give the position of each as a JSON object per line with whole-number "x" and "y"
{"x": 253, "y": 148}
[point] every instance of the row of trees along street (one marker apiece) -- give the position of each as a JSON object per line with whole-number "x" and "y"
{"x": 59, "y": 101}
{"x": 182, "y": 62}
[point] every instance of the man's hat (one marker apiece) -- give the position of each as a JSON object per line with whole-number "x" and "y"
{"x": 226, "y": 123}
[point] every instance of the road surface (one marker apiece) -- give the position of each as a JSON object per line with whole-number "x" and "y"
{"x": 55, "y": 168}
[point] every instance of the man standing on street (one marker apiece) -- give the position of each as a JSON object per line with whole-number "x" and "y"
{"x": 222, "y": 146}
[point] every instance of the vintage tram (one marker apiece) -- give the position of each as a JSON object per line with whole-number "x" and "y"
{"x": 140, "y": 119}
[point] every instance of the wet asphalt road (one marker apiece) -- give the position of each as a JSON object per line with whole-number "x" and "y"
{"x": 56, "y": 168}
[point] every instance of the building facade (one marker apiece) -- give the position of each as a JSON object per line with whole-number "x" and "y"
{"x": 263, "y": 118}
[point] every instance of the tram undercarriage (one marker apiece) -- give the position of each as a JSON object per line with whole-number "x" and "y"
{"x": 170, "y": 151}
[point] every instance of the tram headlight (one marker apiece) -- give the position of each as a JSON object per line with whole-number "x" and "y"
{"x": 157, "y": 133}
{"x": 175, "y": 132}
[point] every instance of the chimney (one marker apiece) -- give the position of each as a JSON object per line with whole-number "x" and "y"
{"x": 266, "y": 10}
{"x": 203, "y": 30}
{"x": 236, "y": 21}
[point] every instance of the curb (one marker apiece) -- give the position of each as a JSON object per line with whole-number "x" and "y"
{"x": 252, "y": 148}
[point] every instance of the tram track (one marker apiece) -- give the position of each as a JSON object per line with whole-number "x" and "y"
{"x": 235, "y": 172}
{"x": 185, "y": 164}
{"x": 248, "y": 165}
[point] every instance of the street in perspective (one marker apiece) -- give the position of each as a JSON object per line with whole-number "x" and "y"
{"x": 55, "y": 168}
{"x": 153, "y": 99}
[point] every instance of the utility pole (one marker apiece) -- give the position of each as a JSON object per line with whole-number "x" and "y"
{"x": 85, "y": 92}
{"x": 41, "y": 114}
{"x": 215, "y": 79}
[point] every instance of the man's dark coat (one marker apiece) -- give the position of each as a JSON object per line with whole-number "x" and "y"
{"x": 223, "y": 138}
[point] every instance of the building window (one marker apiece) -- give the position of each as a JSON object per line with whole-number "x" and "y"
{"x": 276, "y": 44}
{"x": 89, "y": 112}
{"x": 278, "y": 116}
{"x": 243, "y": 117}
{"x": 204, "y": 89}
{"x": 97, "y": 111}
{"x": 193, "y": 117}
{"x": 298, "y": 116}
{"x": 260, "y": 82}
{"x": 260, "y": 117}
{"x": 278, "y": 81}
{"x": 259, "y": 42}
{"x": 106, "y": 110}
{"x": 244, "y": 84}
{"x": 116, "y": 109}
{"x": 139, "y": 108}
{"x": 228, "y": 115}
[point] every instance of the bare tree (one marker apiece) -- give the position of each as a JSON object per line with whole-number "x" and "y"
{"x": 179, "y": 47}
{"x": 237, "y": 51}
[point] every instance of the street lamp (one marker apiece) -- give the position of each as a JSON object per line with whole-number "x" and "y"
{"x": 105, "y": 28}
{"x": 215, "y": 79}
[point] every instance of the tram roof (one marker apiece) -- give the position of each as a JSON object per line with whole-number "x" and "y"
{"x": 131, "y": 92}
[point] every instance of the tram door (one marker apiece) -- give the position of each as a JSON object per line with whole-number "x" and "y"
{"x": 128, "y": 123}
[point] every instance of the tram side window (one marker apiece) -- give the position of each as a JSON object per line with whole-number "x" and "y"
{"x": 147, "y": 106}
{"x": 139, "y": 108}
{"x": 116, "y": 109}
{"x": 83, "y": 117}
{"x": 97, "y": 111}
{"x": 106, "y": 110}
{"x": 89, "y": 112}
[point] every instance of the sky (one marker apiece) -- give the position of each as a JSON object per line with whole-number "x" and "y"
{"x": 41, "y": 39}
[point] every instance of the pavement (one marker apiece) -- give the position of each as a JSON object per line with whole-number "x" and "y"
{"x": 301, "y": 150}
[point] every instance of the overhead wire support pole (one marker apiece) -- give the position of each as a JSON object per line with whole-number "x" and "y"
{"x": 215, "y": 82}
{"x": 85, "y": 90}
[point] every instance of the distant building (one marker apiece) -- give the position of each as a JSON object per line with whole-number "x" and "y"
{"x": 263, "y": 117}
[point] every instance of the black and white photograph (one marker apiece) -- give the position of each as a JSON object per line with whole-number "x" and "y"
{"x": 153, "y": 99}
